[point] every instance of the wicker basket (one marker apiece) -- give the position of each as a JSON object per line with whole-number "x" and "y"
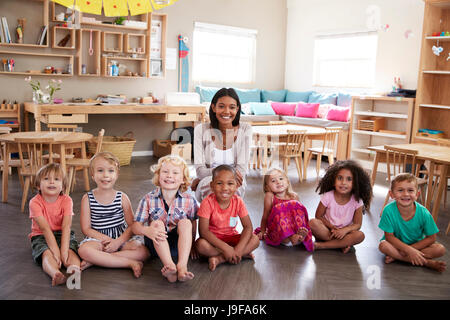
{"x": 121, "y": 147}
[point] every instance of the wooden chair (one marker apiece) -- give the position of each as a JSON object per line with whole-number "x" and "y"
{"x": 445, "y": 143}
{"x": 12, "y": 163}
{"x": 79, "y": 163}
{"x": 396, "y": 163}
{"x": 328, "y": 146}
{"x": 62, "y": 127}
{"x": 31, "y": 156}
{"x": 292, "y": 149}
{"x": 10, "y": 113}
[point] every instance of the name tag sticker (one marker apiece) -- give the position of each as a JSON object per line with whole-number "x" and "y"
{"x": 233, "y": 221}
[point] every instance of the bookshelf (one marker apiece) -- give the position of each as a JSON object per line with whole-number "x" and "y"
{"x": 433, "y": 96}
{"x": 81, "y": 34}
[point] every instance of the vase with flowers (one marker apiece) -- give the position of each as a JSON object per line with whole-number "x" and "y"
{"x": 44, "y": 95}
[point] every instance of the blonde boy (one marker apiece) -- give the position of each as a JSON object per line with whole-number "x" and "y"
{"x": 409, "y": 228}
{"x": 166, "y": 217}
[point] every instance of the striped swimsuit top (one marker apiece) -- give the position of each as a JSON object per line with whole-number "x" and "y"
{"x": 108, "y": 219}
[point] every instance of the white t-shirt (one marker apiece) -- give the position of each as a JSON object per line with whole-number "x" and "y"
{"x": 223, "y": 157}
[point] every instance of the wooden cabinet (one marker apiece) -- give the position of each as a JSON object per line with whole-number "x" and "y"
{"x": 432, "y": 108}
{"x": 378, "y": 120}
{"x": 95, "y": 41}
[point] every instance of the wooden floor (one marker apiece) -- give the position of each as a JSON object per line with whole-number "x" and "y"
{"x": 276, "y": 273}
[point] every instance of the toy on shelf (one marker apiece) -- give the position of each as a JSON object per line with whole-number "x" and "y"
{"x": 437, "y": 50}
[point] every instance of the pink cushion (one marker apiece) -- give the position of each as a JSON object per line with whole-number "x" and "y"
{"x": 307, "y": 110}
{"x": 339, "y": 113}
{"x": 284, "y": 109}
{"x": 323, "y": 110}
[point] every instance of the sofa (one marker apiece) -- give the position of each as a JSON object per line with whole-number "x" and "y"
{"x": 307, "y": 108}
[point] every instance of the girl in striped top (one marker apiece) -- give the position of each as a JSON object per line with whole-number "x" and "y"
{"x": 106, "y": 217}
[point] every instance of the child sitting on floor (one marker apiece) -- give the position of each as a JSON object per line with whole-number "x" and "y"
{"x": 166, "y": 217}
{"x": 53, "y": 244}
{"x": 409, "y": 228}
{"x": 218, "y": 217}
{"x": 346, "y": 190}
{"x": 285, "y": 219}
{"x": 106, "y": 219}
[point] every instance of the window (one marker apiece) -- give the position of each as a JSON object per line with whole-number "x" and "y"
{"x": 223, "y": 54}
{"x": 345, "y": 60}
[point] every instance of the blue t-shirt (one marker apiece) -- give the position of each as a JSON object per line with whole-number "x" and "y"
{"x": 421, "y": 225}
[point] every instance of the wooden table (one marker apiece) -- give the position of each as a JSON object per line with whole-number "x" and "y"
{"x": 63, "y": 139}
{"x": 437, "y": 155}
{"x": 78, "y": 112}
{"x": 264, "y": 133}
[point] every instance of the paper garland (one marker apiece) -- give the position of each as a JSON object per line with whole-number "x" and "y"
{"x": 114, "y": 8}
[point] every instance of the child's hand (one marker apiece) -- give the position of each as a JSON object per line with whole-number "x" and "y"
{"x": 57, "y": 257}
{"x": 416, "y": 256}
{"x": 156, "y": 234}
{"x": 338, "y": 233}
{"x": 111, "y": 245}
{"x": 230, "y": 255}
{"x": 262, "y": 234}
{"x": 194, "y": 253}
{"x": 64, "y": 257}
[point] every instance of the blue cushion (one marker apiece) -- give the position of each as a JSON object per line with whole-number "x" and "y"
{"x": 206, "y": 93}
{"x": 344, "y": 99}
{"x": 248, "y": 95}
{"x": 261, "y": 108}
{"x": 330, "y": 98}
{"x": 297, "y": 96}
{"x": 278, "y": 95}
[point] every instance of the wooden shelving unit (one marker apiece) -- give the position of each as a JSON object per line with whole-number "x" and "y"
{"x": 432, "y": 108}
{"x": 42, "y": 59}
{"x": 31, "y": 31}
{"x": 396, "y": 115}
{"x": 94, "y": 45}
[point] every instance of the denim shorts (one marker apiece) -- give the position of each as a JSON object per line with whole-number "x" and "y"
{"x": 39, "y": 245}
{"x": 172, "y": 239}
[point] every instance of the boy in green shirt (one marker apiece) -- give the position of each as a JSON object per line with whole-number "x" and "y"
{"x": 409, "y": 228}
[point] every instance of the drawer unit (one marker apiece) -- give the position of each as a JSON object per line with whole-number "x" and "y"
{"x": 66, "y": 118}
{"x": 181, "y": 117}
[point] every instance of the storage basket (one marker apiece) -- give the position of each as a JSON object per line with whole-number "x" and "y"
{"x": 165, "y": 147}
{"x": 371, "y": 123}
{"x": 121, "y": 147}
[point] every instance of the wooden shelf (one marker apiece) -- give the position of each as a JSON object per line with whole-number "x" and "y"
{"x": 65, "y": 31}
{"x": 435, "y": 106}
{"x": 380, "y": 134}
{"x": 432, "y": 109}
{"x": 106, "y": 40}
{"x": 382, "y": 114}
{"x": 112, "y": 26}
{"x": 436, "y": 71}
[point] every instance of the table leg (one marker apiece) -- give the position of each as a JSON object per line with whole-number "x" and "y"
{"x": 308, "y": 144}
{"x": 375, "y": 168}
{"x": 85, "y": 170}
{"x": 429, "y": 196}
{"x": 5, "y": 173}
{"x": 441, "y": 187}
{"x": 62, "y": 154}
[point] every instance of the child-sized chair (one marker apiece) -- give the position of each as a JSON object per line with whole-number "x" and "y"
{"x": 75, "y": 163}
{"x": 328, "y": 146}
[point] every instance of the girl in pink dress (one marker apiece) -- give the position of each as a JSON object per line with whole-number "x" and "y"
{"x": 285, "y": 219}
{"x": 345, "y": 191}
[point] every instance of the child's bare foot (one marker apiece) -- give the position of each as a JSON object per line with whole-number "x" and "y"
{"x": 299, "y": 236}
{"x": 58, "y": 278}
{"x": 184, "y": 274}
{"x": 437, "y": 265}
{"x": 388, "y": 259}
{"x": 317, "y": 245}
{"x": 137, "y": 266}
{"x": 215, "y": 261}
{"x": 346, "y": 249}
{"x": 170, "y": 272}
{"x": 84, "y": 265}
{"x": 249, "y": 256}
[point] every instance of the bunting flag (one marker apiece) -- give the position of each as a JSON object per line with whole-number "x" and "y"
{"x": 183, "y": 68}
{"x": 89, "y": 6}
{"x": 139, "y": 7}
{"x": 114, "y": 8}
{"x": 159, "y": 4}
{"x": 66, "y": 3}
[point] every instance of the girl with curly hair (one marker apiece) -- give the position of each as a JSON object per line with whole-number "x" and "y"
{"x": 345, "y": 192}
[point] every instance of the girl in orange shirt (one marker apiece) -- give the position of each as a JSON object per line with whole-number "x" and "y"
{"x": 53, "y": 244}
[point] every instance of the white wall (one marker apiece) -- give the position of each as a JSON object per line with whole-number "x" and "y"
{"x": 396, "y": 56}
